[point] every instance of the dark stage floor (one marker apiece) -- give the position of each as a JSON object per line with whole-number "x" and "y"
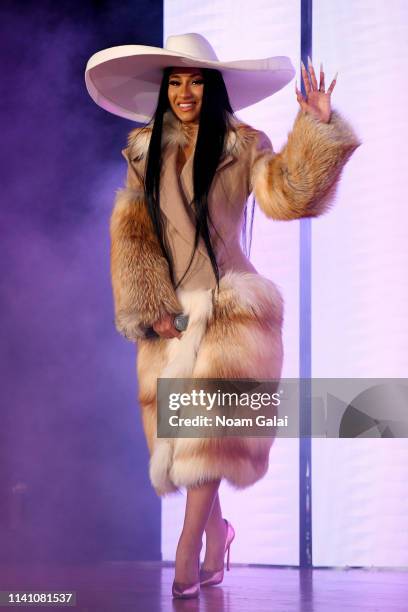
{"x": 134, "y": 586}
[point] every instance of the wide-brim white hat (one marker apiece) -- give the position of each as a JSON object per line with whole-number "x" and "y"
{"x": 125, "y": 80}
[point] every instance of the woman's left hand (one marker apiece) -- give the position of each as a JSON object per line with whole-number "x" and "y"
{"x": 317, "y": 101}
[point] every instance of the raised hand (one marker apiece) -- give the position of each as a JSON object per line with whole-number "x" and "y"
{"x": 317, "y": 100}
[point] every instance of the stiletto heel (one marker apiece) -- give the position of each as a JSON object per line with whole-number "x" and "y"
{"x": 211, "y": 578}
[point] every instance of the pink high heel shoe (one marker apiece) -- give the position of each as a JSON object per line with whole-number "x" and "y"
{"x": 183, "y": 590}
{"x": 180, "y": 590}
{"x": 211, "y": 578}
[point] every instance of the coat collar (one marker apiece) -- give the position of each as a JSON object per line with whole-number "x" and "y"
{"x": 176, "y": 133}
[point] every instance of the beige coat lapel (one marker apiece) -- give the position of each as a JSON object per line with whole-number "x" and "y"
{"x": 177, "y": 193}
{"x": 186, "y": 176}
{"x": 175, "y": 196}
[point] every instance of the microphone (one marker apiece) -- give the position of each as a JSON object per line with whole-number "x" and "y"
{"x": 180, "y": 322}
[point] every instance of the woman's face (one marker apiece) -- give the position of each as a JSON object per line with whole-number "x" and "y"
{"x": 185, "y": 91}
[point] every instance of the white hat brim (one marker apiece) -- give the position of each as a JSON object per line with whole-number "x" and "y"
{"x": 125, "y": 80}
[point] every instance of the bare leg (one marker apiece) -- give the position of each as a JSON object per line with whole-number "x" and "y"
{"x": 215, "y": 532}
{"x": 199, "y": 503}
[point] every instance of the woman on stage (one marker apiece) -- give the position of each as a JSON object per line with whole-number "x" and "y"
{"x": 175, "y": 249}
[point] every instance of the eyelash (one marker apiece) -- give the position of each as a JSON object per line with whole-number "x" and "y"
{"x": 176, "y": 83}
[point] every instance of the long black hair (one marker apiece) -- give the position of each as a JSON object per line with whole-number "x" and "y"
{"x": 214, "y": 122}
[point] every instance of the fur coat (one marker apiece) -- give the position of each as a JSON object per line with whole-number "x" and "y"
{"x": 235, "y": 332}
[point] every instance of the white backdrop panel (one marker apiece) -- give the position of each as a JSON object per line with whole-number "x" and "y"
{"x": 265, "y": 515}
{"x": 360, "y": 280}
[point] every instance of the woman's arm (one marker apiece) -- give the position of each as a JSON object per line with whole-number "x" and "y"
{"x": 142, "y": 289}
{"x": 301, "y": 180}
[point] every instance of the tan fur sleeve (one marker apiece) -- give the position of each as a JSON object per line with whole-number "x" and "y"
{"x": 301, "y": 180}
{"x": 142, "y": 288}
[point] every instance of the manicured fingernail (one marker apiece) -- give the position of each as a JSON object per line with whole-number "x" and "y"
{"x": 335, "y": 76}
{"x": 321, "y": 67}
{"x": 303, "y": 66}
{"x": 309, "y": 61}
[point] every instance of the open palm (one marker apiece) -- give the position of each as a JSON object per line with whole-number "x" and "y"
{"x": 317, "y": 101}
